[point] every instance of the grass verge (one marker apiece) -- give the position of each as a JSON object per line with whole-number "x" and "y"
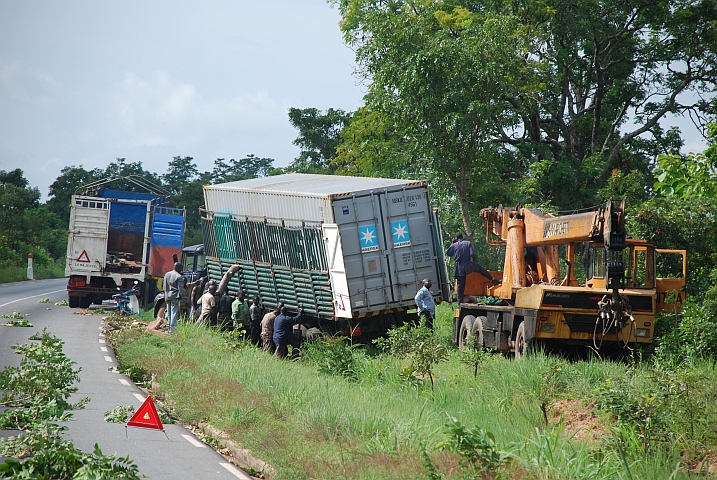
{"x": 13, "y": 273}
{"x": 544, "y": 417}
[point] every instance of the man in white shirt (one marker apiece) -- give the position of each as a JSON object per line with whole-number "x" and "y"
{"x": 426, "y": 305}
{"x": 173, "y": 291}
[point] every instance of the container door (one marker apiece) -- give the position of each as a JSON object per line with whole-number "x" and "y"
{"x": 87, "y": 242}
{"x": 365, "y": 251}
{"x": 671, "y": 274}
{"x": 167, "y": 238}
{"x": 444, "y": 284}
{"x": 337, "y": 270}
{"x": 411, "y": 253}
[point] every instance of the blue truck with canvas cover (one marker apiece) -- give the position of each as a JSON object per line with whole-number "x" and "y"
{"x": 118, "y": 236}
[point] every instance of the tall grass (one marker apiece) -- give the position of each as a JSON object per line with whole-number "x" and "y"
{"x": 309, "y": 424}
{"x": 14, "y": 273}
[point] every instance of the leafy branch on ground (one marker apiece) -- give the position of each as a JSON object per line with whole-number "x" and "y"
{"x": 17, "y": 323}
{"x": 14, "y": 314}
{"x": 36, "y": 393}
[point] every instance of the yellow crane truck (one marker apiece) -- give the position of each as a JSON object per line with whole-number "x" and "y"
{"x": 540, "y": 299}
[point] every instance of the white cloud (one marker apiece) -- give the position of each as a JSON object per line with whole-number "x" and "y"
{"x": 163, "y": 112}
{"x": 24, "y": 83}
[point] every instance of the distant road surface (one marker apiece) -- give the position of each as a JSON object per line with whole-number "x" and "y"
{"x": 181, "y": 456}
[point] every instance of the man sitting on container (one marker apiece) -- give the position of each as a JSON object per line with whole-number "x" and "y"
{"x": 173, "y": 291}
{"x": 284, "y": 331}
{"x": 426, "y": 305}
{"x": 209, "y": 304}
{"x": 267, "y": 329}
{"x": 462, "y": 252}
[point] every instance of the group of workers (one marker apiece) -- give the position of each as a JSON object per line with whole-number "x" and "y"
{"x": 274, "y": 330}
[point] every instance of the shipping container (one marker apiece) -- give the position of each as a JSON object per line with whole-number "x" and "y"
{"x": 117, "y": 237}
{"x": 347, "y": 248}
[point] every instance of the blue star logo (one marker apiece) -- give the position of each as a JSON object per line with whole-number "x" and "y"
{"x": 369, "y": 239}
{"x": 401, "y": 234}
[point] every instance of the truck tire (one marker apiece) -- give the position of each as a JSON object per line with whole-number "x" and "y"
{"x": 521, "y": 344}
{"x": 466, "y": 330}
{"x": 478, "y": 331}
{"x": 85, "y": 301}
{"x": 73, "y": 301}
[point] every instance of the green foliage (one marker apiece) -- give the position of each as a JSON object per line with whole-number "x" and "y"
{"x": 419, "y": 345}
{"x": 14, "y": 314}
{"x": 475, "y": 447}
{"x": 37, "y": 392}
{"x": 335, "y": 356}
{"x": 52, "y": 457}
{"x": 689, "y": 176}
{"x": 44, "y": 300}
{"x": 18, "y": 323}
{"x": 319, "y": 137}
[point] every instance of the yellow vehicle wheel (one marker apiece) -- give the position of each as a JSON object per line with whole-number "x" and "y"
{"x": 521, "y": 344}
{"x": 466, "y": 331}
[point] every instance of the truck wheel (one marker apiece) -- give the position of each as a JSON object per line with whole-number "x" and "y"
{"x": 313, "y": 334}
{"x": 478, "y": 331}
{"x": 521, "y": 344}
{"x": 73, "y": 301}
{"x": 85, "y": 301}
{"x": 466, "y": 330}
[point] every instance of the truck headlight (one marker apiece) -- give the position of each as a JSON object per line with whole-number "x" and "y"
{"x": 642, "y": 332}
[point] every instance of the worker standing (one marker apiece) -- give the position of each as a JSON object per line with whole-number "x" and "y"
{"x": 225, "y": 310}
{"x": 267, "y": 329}
{"x": 426, "y": 305}
{"x": 464, "y": 255}
{"x": 284, "y": 331}
{"x": 209, "y": 304}
{"x": 174, "y": 291}
{"x": 256, "y": 313}
{"x": 240, "y": 312}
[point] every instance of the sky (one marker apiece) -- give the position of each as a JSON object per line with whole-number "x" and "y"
{"x": 86, "y": 82}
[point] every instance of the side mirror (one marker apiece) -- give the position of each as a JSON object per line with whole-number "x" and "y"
{"x": 175, "y": 258}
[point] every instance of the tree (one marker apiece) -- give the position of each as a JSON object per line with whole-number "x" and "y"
{"x": 242, "y": 169}
{"x": 181, "y": 171}
{"x": 435, "y": 76}
{"x": 319, "y": 136}
{"x": 551, "y": 84}
{"x": 64, "y": 186}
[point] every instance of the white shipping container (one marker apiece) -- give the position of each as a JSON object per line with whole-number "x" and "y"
{"x": 379, "y": 234}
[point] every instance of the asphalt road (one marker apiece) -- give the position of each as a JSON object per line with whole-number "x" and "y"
{"x": 181, "y": 456}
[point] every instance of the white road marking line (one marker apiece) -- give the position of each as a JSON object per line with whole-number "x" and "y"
{"x": 124, "y": 382}
{"x": 102, "y": 340}
{"x": 235, "y": 471}
{"x": 104, "y": 349}
{"x": 194, "y": 441}
{"x": 140, "y": 397}
{"x": 108, "y": 358}
{"x": 32, "y": 296}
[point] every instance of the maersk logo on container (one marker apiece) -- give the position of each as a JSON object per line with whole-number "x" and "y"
{"x": 401, "y": 235}
{"x": 369, "y": 239}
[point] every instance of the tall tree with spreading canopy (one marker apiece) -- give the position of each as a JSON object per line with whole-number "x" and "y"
{"x": 570, "y": 90}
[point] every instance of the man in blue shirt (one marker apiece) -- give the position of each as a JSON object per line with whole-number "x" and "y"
{"x": 426, "y": 305}
{"x": 284, "y": 331}
{"x": 462, "y": 252}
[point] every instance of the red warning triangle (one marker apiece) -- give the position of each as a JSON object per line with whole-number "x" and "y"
{"x": 83, "y": 257}
{"x": 146, "y": 416}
